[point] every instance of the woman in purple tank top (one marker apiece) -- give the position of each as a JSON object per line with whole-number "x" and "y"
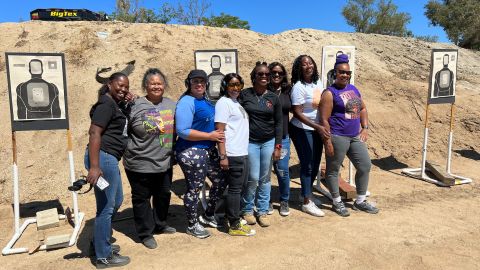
{"x": 344, "y": 114}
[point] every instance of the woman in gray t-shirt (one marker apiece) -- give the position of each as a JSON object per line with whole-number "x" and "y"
{"x": 148, "y": 158}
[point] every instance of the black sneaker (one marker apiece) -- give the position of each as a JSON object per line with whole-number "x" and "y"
{"x": 91, "y": 249}
{"x": 210, "y": 221}
{"x": 284, "y": 209}
{"x": 198, "y": 231}
{"x": 149, "y": 243}
{"x": 340, "y": 209}
{"x": 365, "y": 207}
{"x": 115, "y": 260}
{"x": 165, "y": 229}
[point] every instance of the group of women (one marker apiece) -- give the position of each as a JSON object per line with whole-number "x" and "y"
{"x": 234, "y": 143}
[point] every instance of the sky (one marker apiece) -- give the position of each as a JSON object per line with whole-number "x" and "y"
{"x": 267, "y": 16}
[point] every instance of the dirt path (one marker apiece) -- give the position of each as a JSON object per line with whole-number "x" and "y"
{"x": 420, "y": 226}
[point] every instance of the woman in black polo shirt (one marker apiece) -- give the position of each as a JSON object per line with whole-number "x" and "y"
{"x": 265, "y": 122}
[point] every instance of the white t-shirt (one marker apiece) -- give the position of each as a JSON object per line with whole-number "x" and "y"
{"x": 236, "y": 130}
{"x": 309, "y": 97}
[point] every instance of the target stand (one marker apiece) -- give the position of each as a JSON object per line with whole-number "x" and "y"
{"x": 18, "y": 230}
{"x": 444, "y": 178}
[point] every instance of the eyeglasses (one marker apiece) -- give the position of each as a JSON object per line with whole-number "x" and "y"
{"x": 235, "y": 85}
{"x": 263, "y": 74}
{"x": 348, "y": 72}
{"x": 197, "y": 81}
{"x": 277, "y": 73}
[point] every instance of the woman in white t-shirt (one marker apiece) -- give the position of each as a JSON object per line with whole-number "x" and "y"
{"x": 305, "y": 130}
{"x": 231, "y": 118}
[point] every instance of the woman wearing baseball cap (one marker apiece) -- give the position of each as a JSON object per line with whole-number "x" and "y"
{"x": 196, "y": 152}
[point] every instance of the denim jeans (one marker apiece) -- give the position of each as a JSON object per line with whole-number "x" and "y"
{"x": 309, "y": 146}
{"x": 281, "y": 170}
{"x": 108, "y": 202}
{"x": 257, "y": 191}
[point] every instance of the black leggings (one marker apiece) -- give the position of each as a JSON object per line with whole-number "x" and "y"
{"x": 146, "y": 186}
{"x": 236, "y": 177}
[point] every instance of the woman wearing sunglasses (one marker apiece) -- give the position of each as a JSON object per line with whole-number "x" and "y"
{"x": 231, "y": 118}
{"x": 344, "y": 114}
{"x": 305, "y": 129}
{"x": 196, "y": 152}
{"x": 280, "y": 86}
{"x": 265, "y": 139}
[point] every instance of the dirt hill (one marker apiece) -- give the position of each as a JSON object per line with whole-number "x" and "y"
{"x": 392, "y": 74}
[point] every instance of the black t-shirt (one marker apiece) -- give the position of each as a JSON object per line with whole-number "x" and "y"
{"x": 108, "y": 115}
{"x": 265, "y": 115}
{"x": 286, "y": 102}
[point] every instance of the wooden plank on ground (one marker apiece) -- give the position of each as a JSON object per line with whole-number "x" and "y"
{"x": 440, "y": 173}
{"x": 347, "y": 191}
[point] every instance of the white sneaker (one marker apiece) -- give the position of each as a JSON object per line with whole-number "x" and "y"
{"x": 312, "y": 199}
{"x": 312, "y": 209}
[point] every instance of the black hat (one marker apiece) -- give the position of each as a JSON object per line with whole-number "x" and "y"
{"x": 197, "y": 73}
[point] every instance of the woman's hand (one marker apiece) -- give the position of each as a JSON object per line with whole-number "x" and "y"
{"x": 276, "y": 154}
{"x": 323, "y": 132}
{"x": 224, "y": 164}
{"x": 216, "y": 136}
{"x": 129, "y": 97}
{"x": 364, "y": 134}
{"x": 329, "y": 151}
{"x": 93, "y": 174}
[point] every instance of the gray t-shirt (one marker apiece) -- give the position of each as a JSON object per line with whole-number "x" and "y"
{"x": 150, "y": 138}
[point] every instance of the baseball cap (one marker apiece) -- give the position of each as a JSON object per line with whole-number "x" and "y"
{"x": 197, "y": 73}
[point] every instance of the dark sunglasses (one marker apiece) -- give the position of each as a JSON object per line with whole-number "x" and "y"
{"x": 263, "y": 74}
{"x": 235, "y": 85}
{"x": 340, "y": 71}
{"x": 77, "y": 185}
{"x": 277, "y": 73}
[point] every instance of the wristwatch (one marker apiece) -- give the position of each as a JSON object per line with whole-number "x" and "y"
{"x": 222, "y": 157}
{"x": 365, "y": 127}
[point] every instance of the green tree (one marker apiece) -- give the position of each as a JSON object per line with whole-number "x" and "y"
{"x": 459, "y": 18}
{"x": 376, "y": 16}
{"x": 130, "y": 11}
{"x": 225, "y": 20}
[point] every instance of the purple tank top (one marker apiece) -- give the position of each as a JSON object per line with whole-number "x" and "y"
{"x": 345, "y": 118}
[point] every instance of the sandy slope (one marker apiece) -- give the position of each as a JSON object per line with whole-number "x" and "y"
{"x": 421, "y": 226}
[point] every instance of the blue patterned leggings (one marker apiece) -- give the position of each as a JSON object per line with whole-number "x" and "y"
{"x": 197, "y": 164}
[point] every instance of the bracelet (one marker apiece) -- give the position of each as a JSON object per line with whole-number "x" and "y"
{"x": 365, "y": 127}
{"x": 278, "y": 146}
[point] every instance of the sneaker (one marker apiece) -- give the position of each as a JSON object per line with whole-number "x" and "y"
{"x": 115, "y": 260}
{"x": 340, "y": 209}
{"x": 284, "y": 209}
{"x": 210, "y": 221}
{"x": 198, "y": 231}
{"x": 312, "y": 209}
{"x": 250, "y": 219}
{"x": 270, "y": 209}
{"x": 241, "y": 230}
{"x": 150, "y": 243}
{"x": 91, "y": 249}
{"x": 165, "y": 229}
{"x": 263, "y": 220}
{"x": 365, "y": 207}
